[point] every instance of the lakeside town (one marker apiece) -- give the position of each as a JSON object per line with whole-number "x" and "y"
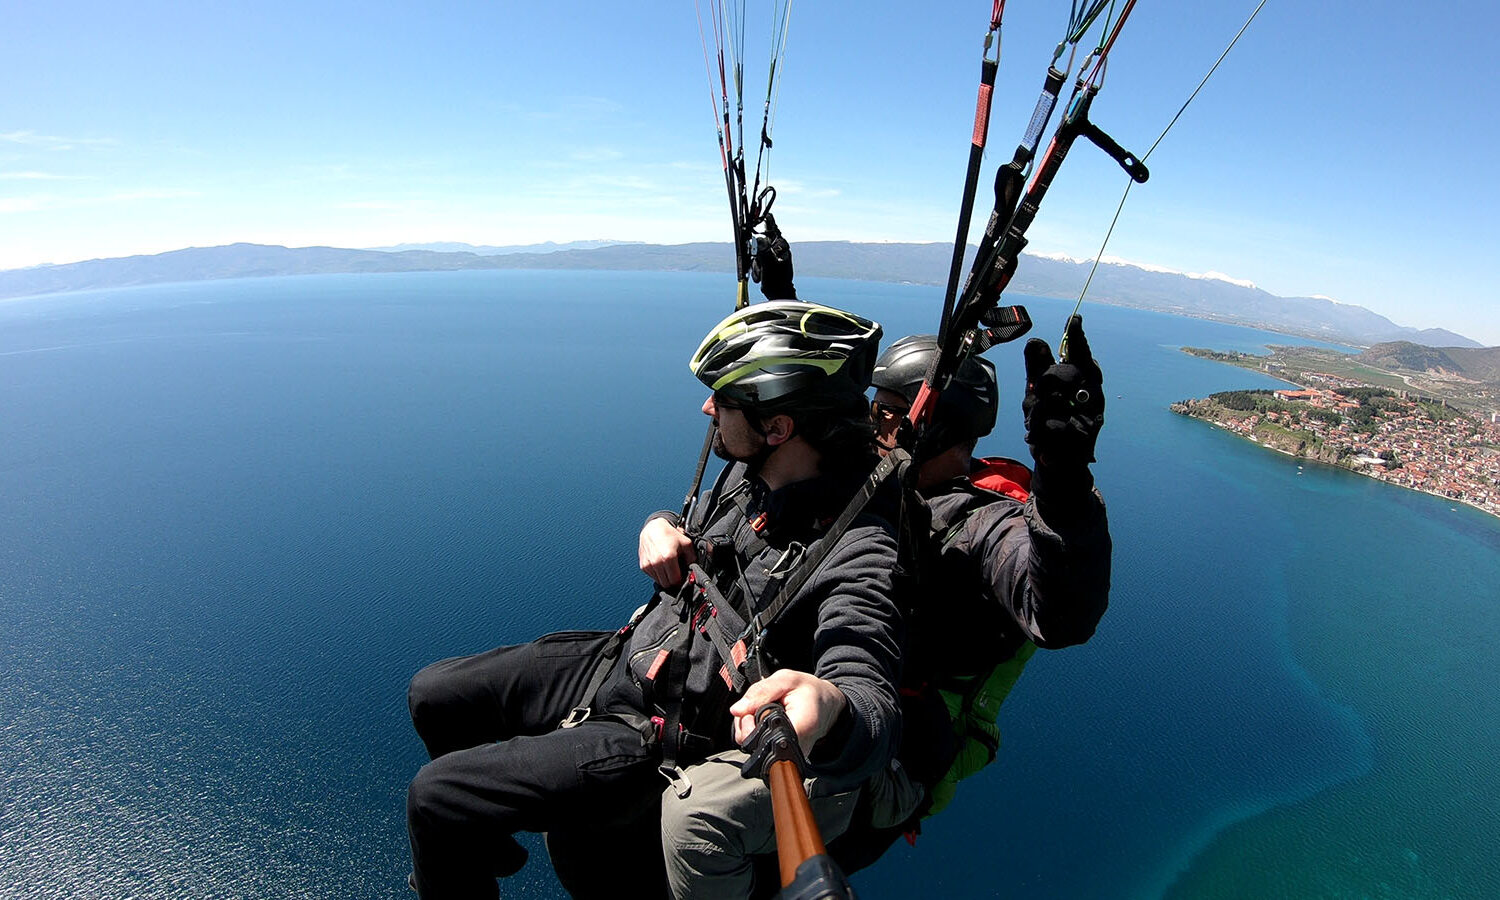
{"x": 1397, "y": 436}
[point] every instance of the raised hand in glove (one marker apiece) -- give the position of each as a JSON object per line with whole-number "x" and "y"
{"x": 771, "y": 266}
{"x": 1064, "y": 405}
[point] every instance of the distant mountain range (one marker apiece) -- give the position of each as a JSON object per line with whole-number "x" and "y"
{"x": 489, "y": 250}
{"x": 1448, "y": 362}
{"x": 1119, "y": 284}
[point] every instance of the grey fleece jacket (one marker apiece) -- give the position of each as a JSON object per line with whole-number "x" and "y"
{"x": 843, "y": 627}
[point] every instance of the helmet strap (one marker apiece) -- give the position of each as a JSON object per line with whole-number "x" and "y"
{"x": 753, "y": 419}
{"x": 754, "y": 463}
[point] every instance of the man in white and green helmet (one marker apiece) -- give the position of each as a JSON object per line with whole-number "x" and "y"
{"x": 1004, "y": 559}
{"x": 576, "y": 730}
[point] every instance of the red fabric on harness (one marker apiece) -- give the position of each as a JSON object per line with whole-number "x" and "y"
{"x": 1003, "y": 476}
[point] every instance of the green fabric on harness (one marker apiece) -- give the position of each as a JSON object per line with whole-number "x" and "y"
{"x": 974, "y": 701}
{"x": 974, "y": 709}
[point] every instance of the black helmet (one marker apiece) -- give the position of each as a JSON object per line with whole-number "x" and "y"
{"x": 788, "y": 355}
{"x": 966, "y": 410}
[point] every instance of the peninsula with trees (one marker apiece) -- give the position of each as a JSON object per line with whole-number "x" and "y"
{"x": 1419, "y": 417}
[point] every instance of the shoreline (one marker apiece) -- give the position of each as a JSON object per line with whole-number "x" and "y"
{"x": 1318, "y": 462}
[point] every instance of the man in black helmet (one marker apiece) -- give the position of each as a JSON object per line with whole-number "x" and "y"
{"x": 1016, "y": 560}
{"x": 576, "y": 730}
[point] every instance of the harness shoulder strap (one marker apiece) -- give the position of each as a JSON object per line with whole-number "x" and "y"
{"x": 894, "y": 463}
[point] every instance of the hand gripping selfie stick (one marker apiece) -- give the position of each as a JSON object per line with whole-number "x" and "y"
{"x": 807, "y": 871}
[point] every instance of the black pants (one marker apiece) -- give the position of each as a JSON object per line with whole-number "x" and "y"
{"x": 501, "y": 765}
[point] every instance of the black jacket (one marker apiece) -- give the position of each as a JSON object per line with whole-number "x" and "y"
{"x": 995, "y": 573}
{"x": 1008, "y": 575}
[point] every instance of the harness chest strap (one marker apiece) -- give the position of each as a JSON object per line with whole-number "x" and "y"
{"x": 728, "y": 639}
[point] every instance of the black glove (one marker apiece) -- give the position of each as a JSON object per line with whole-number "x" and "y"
{"x": 771, "y": 267}
{"x": 1064, "y": 405}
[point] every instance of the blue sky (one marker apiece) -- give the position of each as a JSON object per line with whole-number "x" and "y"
{"x": 1345, "y": 149}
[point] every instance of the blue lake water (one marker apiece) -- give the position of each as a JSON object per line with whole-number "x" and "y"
{"x": 236, "y": 516}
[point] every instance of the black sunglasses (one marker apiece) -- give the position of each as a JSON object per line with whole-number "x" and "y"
{"x": 724, "y": 402}
{"x": 885, "y": 412}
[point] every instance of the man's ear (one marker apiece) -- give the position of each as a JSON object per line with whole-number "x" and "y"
{"x": 778, "y": 429}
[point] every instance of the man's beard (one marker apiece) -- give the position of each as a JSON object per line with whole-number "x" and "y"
{"x": 752, "y": 461}
{"x": 720, "y": 450}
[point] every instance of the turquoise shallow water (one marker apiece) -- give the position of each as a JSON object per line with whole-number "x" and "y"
{"x": 235, "y": 517}
{"x": 1414, "y": 657}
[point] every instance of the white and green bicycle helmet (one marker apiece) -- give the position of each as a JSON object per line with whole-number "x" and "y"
{"x": 787, "y": 354}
